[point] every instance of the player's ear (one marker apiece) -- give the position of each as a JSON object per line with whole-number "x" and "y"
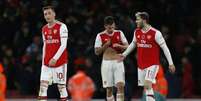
{"x": 105, "y": 26}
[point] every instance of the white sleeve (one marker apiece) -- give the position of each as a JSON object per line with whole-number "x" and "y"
{"x": 44, "y": 44}
{"x": 134, "y": 38}
{"x": 167, "y": 53}
{"x": 98, "y": 42}
{"x": 123, "y": 38}
{"x": 130, "y": 47}
{"x": 161, "y": 42}
{"x": 159, "y": 38}
{"x": 63, "y": 38}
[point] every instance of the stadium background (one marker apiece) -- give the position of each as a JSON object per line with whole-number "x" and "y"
{"x": 21, "y": 46}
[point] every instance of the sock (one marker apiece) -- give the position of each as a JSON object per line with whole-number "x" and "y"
{"x": 111, "y": 98}
{"x": 120, "y": 97}
{"x": 43, "y": 92}
{"x": 149, "y": 94}
{"x": 63, "y": 92}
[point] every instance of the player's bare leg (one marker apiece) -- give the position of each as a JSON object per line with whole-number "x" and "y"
{"x": 149, "y": 93}
{"x": 120, "y": 91}
{"x": 110, "y": 96}
{"x": 43, "y": 91}
{"x": 63, "y": 92}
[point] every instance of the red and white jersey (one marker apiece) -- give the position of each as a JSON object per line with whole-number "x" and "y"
{"x": 55, "y": 43}
{"x": 148, "y": 47}
{"x": 116, "y": 37}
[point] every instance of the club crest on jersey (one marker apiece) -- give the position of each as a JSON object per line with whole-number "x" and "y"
{"x": 138, "y": 36}
{"x": 117, "y": 37}
{"x": 45, "y": 33}
{"x": 148, "y": 36}
{"x": 55, "y": 31}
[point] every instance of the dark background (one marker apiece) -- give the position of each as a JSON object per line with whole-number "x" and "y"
{"x": 21, "y": 43}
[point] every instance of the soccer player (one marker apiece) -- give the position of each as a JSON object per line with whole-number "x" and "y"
{"x": 148, "y": 41}
{"x": 110, "y": 43}
{"x": 54, "y": 62}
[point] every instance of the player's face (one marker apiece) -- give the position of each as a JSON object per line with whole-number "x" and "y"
{"x": 139, "y": 22}
{"x": 110, "y": 28}
{"x": 49, "y": 15}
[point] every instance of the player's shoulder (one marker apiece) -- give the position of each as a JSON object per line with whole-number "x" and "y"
{"x": 101, "y": 33}
{"x": 118, "y": 31}
{"x": 137, "y": 29}
{"x": 60, "y": 23}
{"x": 44, "y": 26}
{"x": 155, "y": 30}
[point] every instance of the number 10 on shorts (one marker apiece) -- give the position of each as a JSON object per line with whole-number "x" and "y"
{"x": 60, "y": 76}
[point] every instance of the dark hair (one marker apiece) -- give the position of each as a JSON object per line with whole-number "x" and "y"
{"x": 143, "y": 15}
{"x": 109, "y": 20}
{"x": 48, "y": 7}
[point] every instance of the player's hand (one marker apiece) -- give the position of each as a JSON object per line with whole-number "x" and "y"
{"x": 172, "y": 69}
{"x": 116, "y": 45}
{"x": 120, "y": 58}
{"x": 108, "y": 43}
{"x": 52, "y": 62}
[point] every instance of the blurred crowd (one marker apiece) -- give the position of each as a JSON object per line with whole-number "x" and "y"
{"x": 21, "y": 43}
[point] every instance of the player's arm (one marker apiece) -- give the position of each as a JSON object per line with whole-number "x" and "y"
{"x": 161, "y": 42}
{"x": 99, "y": 48}
{"x": 124, "y": 42}
{"x": 131, "y": 47}
{"x": 44, "y": 45}
{"x": 63, "y": 38}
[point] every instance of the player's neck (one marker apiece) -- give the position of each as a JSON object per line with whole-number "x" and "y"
{"x": 50, "y": 24}
{"x": 110, "y": 33}
{"x": 146, "y": 27}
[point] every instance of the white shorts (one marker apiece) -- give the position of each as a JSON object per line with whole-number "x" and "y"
{"x": 147, "y": 74}
{"x": 112, "y": 72}
{"x": 54, "y": 75}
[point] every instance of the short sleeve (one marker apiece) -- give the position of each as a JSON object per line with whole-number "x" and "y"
{"x": 123, "y": 38}
{"x": 63, "y": 31}
{"x": 98, "y": 42}
{"x": 159, "y": 38}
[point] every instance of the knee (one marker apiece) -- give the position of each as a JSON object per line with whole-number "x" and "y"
{"x": 120, "y": 86}
{"x": 147, "y": 84}
{"x": 109, "y": 91}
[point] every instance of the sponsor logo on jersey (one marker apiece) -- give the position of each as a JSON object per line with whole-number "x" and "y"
{"x": 52, "y": 41}
{"x": 142, "y": 45}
